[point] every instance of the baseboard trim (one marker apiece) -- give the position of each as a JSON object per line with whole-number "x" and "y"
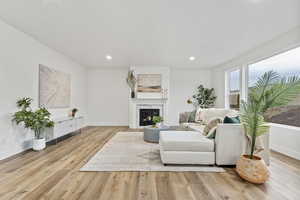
{"x": 108, "y": 124}
{"x": 286, "y": 151}
{"x": 48, "y": 143}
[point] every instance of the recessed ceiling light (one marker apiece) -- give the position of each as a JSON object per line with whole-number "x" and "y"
{"x": 108, "y": 57}
{"x": 192, "y": 58}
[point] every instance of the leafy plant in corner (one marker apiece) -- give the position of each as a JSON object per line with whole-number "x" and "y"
{"x": 131, "y": 81}
{"x": 204, "y": 97}
{"x": 37, "y": 120}
{"x": 270, "y": 90}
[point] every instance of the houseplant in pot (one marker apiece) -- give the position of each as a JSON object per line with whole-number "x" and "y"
{"x": 204, "y": 97}
{"x": 37, "y": 121}
{"x": 157, "y": 120}
{"x": 270, "y": 90}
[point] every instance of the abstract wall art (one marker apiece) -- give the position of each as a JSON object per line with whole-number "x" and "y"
{"x": 54, "y": 88}
{"x": 149, "y": 83}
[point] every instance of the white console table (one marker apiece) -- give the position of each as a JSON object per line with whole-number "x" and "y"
{"x": 64, "y": 126}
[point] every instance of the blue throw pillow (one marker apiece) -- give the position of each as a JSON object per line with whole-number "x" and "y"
{"x": 232, "y": 120}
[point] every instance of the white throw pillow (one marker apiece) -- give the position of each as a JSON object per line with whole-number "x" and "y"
{"x": 198, "y": 115}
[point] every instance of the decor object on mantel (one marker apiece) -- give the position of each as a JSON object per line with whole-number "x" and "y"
{"x": 204, "y": 97}
{"x": 37, "y": 121}
{"x": 157, "y": 120}
{"x": 131, "y": 81}
{"x": 269, "y": 91}
{"x": 74, "y": 111}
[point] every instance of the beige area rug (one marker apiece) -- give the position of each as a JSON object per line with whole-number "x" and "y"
{"x": 127, "y": 151}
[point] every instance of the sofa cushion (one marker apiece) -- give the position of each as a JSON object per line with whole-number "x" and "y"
{"x": 196, "y": 127}
{"x": 185, "y": 141}
{"x": 207, "y": 114}
{"x": 212, "y": 124}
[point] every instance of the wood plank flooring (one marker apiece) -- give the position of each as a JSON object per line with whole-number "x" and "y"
{"x": 54, "y": 174}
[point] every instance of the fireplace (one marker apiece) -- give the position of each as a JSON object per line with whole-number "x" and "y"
{"x": 146, "y": 116}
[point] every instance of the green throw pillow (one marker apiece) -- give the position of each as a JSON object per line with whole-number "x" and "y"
{"x": 232, "y": 120}
{"x": 212, "y": 133}
{"x": 192, "y": 116}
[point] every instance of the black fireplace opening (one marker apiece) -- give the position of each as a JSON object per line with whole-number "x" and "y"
{"x": 146, "y": 116}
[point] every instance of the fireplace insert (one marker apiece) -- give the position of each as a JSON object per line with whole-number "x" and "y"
{"x": 146, "y": 116}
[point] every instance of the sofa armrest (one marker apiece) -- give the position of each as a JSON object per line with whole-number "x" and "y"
{"x": 230, "y": 143}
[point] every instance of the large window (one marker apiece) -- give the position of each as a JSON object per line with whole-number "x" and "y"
{"x": 234, "y": 89}
{"x": 286, "y": 64}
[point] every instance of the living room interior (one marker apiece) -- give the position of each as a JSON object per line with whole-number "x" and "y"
{"x": 150, "y": 100}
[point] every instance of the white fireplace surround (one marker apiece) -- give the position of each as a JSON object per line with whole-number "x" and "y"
{"x": 149, "y": 100}
{"x": 136, "y": 104}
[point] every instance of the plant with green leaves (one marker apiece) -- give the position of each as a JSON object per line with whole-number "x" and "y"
{"x": 205, "y": 97}
{"x": 37, "y": 121}
{"x": 157, "y": 119}
{"x": 271, "y": 90}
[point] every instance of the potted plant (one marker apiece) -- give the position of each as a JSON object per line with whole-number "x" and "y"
{"x": 131, "y": 81}
{"x": 37, "y": 121}
{"x": 269, "y": 91}
{"x": 74, "y": 111}
{"x": 204, "y": 98}
{"x": 157, "y": 120}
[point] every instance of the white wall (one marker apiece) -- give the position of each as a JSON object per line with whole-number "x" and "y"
{"x": 275, "y": 46}
{"x": 108, "y": 94}
{"x": 20, "y": 56}
{"x": 285, "y": 139}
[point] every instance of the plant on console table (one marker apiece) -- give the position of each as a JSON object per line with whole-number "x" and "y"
{"x": 131, "y": 81}
{"x": 37, "y": 121}
{"x": 269, "y": 91}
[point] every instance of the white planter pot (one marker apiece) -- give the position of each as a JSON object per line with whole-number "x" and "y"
{"x": 39, "y": 144}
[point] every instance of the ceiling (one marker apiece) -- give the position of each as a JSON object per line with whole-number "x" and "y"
{"x": 152, "y": 32}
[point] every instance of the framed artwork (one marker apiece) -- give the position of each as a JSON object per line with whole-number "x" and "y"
{"x": 149, "y": 83}
{"x": 54, "y": 88}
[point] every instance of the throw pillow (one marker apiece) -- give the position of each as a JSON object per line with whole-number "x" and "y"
{"x": 211, "y": 124}
{"x": 212, "y": 133}
{"x": 192, "y": 116}
{"x": 198, "y": 115}
{"x": 232, "y": 120}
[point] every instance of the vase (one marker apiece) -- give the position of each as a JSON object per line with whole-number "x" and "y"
{"x": 252, "y": 170}
{"x": 39, "y": 144}
{"x": 133, "y": 94}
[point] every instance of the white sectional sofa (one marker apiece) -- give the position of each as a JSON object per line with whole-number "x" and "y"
{"x": 192, "y": 147}
{"x": 182, "y": 147}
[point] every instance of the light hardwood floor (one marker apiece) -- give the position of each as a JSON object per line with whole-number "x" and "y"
{"x": 54, "y": 174}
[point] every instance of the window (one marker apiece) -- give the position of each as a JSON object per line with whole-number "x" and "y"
{"x": 234, "y": 90}
{"x": 286, "y": 64}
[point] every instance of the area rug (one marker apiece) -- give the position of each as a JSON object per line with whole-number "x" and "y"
{"x": 127, "y": 151}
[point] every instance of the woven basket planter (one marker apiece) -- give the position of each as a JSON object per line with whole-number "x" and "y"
{"x": 252, "y": 170}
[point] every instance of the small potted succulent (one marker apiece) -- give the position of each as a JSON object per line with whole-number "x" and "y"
{"x": 37, "y": 121}
{"x": 157, "y": 120}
